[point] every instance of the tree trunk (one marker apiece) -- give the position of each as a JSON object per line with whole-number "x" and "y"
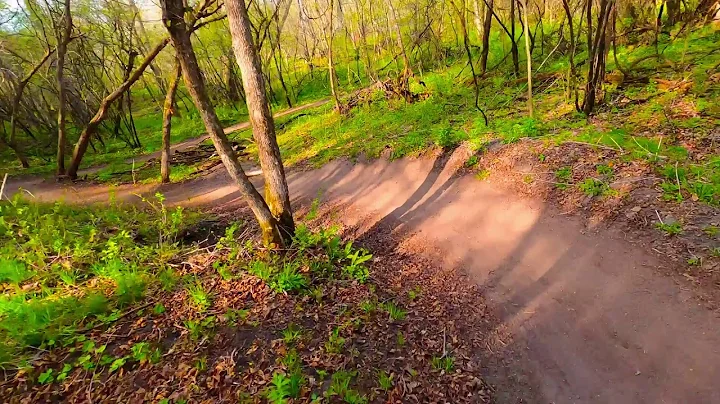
{"x": 513, "y": 42}
{"x": 572, "y": 84}
{"x": 673, "y": 11}
{"x": 168, "y": 112}
{"x": 487, "y": 24}
{"x": 173, "y": 18}
{"x": 597, "y": 55}
{"x": 332, "y": 73}
{"x": 62, "y": 88}
{"x": 400, "y": 42}
{"x": 277, "y": 195}
{"x": 102, "y": 112}
{"x": 528, "y": 53}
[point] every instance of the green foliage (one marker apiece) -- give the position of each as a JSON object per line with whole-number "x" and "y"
{"x": 594, "y": 187}
{"x": 340, "y": 387}
{"x": 200, "y": 298}
{"x": 563, "y": 176}
{"x": 292, "y": 334}
{"x": 78, "y": 265}
{"x": 443, "y": 363}
{"x": 394, "y": 311}
{"x": 482, "y": 175}
{"x": 385, "y": 381}
{"x": 670, "y": 229}
{"x": 289, "y": 279}
{"x": 335, "y": 342}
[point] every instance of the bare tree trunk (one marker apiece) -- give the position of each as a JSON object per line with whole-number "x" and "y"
{"x": 487, "y": 24}
{"x": 19, "y": 89}
{"x": 461, "y": 11}
{"x": 277, "y": 195}
{"x": 173, "y": 17}
{"x": 528, "y": 53}
{"x": 168, "y": 112}
{"x": 477, "y": 17}
{"x": 62, "y": 88}
{"x": 597, "y": 54}
{"x": 102, "y": 112}
{"x": 572, "y": 84}
{"x": 329, "y": 36}
{"x": 673, "y": 11}
{"x": 513, "y": 42}
{"x": 400, "y": 42}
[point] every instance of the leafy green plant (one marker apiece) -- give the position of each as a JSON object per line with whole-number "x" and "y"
{"x": 335, "y": 342}
{"x": 289, "y": 279}
{"x": 385, "y": 381}
{"x": 394, "y": 311}
{"x": 670, "y": 229}
{"x": 482, "y": 175}
{"x": 443, "y": 363}
{"x": 46, "y": 377}
{"x": 563, "y": 176}
{"x": 605, "y": 170}
{"x": 340, "y": 387}
{"x": 368, "y": 306}
{"x": 472, "y": 161}
{"x": 284, "y": 386}
{"x": 142, "y": 352}
{"x": 593, "y": 187}
{"x": 313, "y": 211}
{"x": 356, "y": 269}
{"x": 200, "y": 298}
{"x": 694, "y": 260}
{"x": 400, "y": 339}
{"x": 292, "y": 334}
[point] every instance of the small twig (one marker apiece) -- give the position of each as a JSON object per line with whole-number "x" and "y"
{"x": 444, "y": 343}
{"x": 677, "y": 178}
{"x": 658, "y": 216}
{"x": 2, "y": 188}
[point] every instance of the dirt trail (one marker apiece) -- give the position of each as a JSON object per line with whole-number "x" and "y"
{"x": 184, "y": 145}
{"x": 584, "y": 316}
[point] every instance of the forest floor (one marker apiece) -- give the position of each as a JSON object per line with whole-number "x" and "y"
{"x": 586, "y": 249}
{"x": 583, "y": 310}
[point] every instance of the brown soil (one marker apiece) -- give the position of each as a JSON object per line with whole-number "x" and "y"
{"x": 586, "y": 311}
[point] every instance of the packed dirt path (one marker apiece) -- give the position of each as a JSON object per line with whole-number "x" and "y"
{"x": 186, "y": 144}
{"x": 584, "y": 316}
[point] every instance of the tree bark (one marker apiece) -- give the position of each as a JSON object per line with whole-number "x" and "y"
{"x": 487, "y": 24}
{"x": 513, "y": 42}
{"x": 62, "y": 87}
{"x": 168, "y": 112}
{"x": 174, "y": 21}
{"x": 277, "y": 195}
{"x": 105, "y": 104}
{"x": 597, "y": 55}
{"x": 528, "y": 53}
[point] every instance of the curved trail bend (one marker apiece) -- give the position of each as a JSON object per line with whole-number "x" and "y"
{"x": 584, "y": 316}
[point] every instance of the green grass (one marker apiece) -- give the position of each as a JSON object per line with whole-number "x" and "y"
{"x": 64, "y": 268}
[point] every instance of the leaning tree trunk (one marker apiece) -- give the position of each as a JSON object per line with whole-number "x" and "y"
{"x": 168, "y": 112}
{"x": 62, "y": 88}
{"x": 173, "y": 17}
{"x": 101, "y": 114}
{"x": 263, "y": 126}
